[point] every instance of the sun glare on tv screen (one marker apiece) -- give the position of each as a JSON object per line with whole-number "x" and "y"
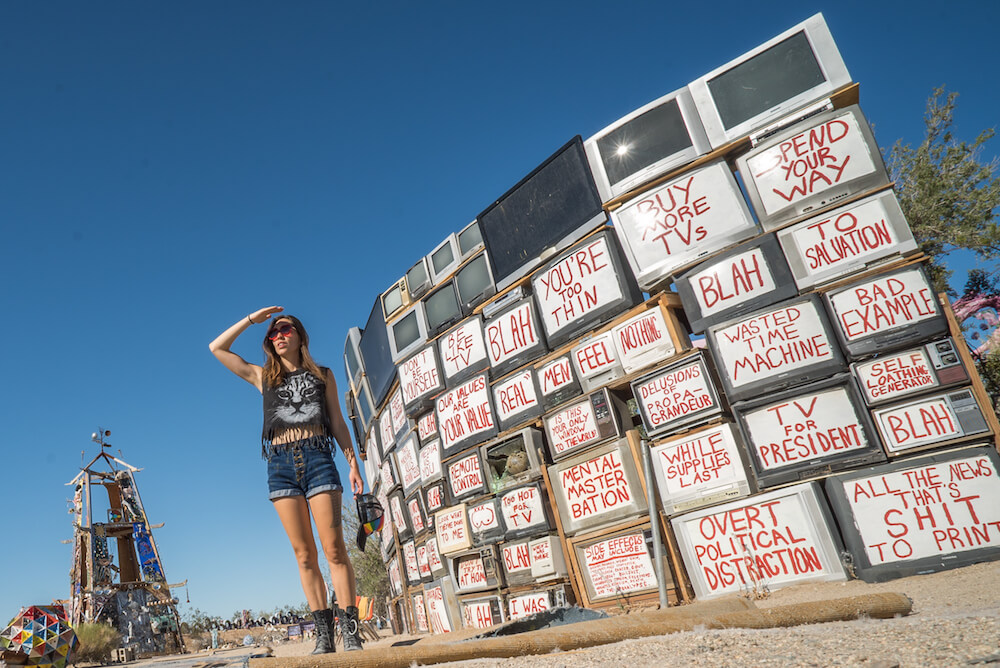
{"x": 769, "y": 78}
{"x": 643, "y": 141}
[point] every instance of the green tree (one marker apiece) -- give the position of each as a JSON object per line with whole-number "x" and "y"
{"x": 949, "y": 196}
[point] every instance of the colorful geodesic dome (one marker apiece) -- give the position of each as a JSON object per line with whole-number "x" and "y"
{"x": 43, "y": 633}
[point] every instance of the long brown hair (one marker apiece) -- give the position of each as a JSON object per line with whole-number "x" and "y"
{"x": 274, "y": 373}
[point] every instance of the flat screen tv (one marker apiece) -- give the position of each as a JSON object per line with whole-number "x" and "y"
{"x": 470, "y": 240}
{"x": 893, "y": 376}
{"x": 583, "y": 288}
{"x": 557, "y": 381}
{"x": 588, "y": 421}
{"x": 847, "y": 240}
{"x": 395, "y": 299}
{"x": 598, "y": 487}
{"x": 595, "y": 360}
{"x": 790, "y": 71}
{"x": 931, "y": 421}
{"x": 444, "y": 259}
{"x": 517, "y": 398}
{"x": 376, "y": 355}
{"x": 894, "y": 526}
{"x": 650, "y": 141}
{"x": 525, "y": 510}
{"x": 463, "y": 351}
{"x": 442, "y": 308}
{"x": 678, "y": 395}
{"x": 465, "y": 415}
{"x": 799, "y": 511}
{"x": 420, "y": 379}
{"x": 749, "y": 277}
{"x": 408, "y": 332}
{"x": 474, "y": 282}
{"x": 808, "y": 431}
{"x": 550, "y": 208}
{"x": 644, "y": 340}
{"x": 672, "y": 226}
{"x": 812, "y": 165}
{"x": 886, "y": 312}
{"x": 514, "y": 337}
{"x": 514, "y": 459}
{"x": 418, "y": 279}
{"x": 352, "y": 357}
{"x": 780, "y": 346}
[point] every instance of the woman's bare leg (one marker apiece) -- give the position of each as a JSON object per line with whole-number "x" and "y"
{"x": 325, "y": 508}
{"x": 294, "y": 514}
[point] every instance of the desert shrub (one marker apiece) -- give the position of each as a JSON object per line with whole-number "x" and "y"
{"x": 96, "y": 642}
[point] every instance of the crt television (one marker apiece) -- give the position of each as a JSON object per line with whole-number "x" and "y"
{"x": 442, "y": 309}
{"x": 444, "y": 259}
{"x": 363, "y": 398}
{"x": 514, "y": 458}
{"x": 525, "y": 510}
{"x": 557, "y": 381}
{"x": 420, "y": 379}
{"x": 550, "y": 208}
{"x": 474, "y": 282}
{"x": 672, "y": 226}
{"x": 650, "y": 141}
{"x": 470, "y": 240}
{"x": 462, "y": 350}
{"x": 408, "y": 332}
{"x": 596, "y": 362}
{"x": 782, "y": 345}
{"x": 583, "y": 288}
{"x": 678, "y": 395}
{"x": 395, "y": 299}
{"x": 514, "y": 337}
{"x": 931, "y": 421}
{"x": 418, "y": 279}
{"x": 847, "y": 240}
{"x": 590, "y": 420}
{"x": 465, "y": 415}
{"x": 744, "y": 279}
{"x": 644, "y": 340}
{"x": 517, "y": 398}
{"x": 885, "y": 312}
{"x": 790, "y": 71}
{"x": 812, "y": 165}
{"x": 893, "y": 376}
{"x": 376, "y": 355}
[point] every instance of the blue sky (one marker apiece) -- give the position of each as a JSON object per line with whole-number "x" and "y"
{"x": 167, "y": 168}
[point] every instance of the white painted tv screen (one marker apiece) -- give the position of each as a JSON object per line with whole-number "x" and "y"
{"x": 485, "y": 520}
{"x": 643, "y": 340}
{"x": 416, "y": 512}
{"x": 889, "y": 377}
{"x": 463, "y": 348}
{"x": 516, "y": 398}
{"x": 397, "y": 412}
{"x": 582, "y": 423}
{"x": 884, "y": 303}
{"x": 430, "y": 461}
{"x": 385, "y": 431}
{"x": 451, "y": 527}
{"x": 465, "y": 475}
{"x": 439, "y": 602}
{"x": 726, "y": 284}
{"x": 434, "y": 561}
{"x": 929, "y": 420}
{"x": 556, "y": 375}
{"x": 525, "y": 605}
{"x": 618, "y": 565}
{"x": 516, "y": 558}
{"x": 671, "y": 226}
{"x": 681, "y": 393}
{"x": 524, "y": 510}
{"x": 465, "y": 415}
{"x": 771, "y": 540}
{"x": 420, "y": 377}
{"x": 408, "y": 463}
{"x": 423, "y": 562}
{"x": 410, "y": 561}
{"x": 434, "y": 496}
{"x": 512, "y": 333}
{"x": 427, "y": 426}
{"x": 596, "y": 361}
{"x": 420, "y": 612}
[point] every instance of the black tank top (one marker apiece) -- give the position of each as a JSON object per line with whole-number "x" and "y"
{"x": 298, "y": 401}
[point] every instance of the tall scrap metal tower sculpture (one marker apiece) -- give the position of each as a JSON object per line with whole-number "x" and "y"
{"x": 121, "y": 582}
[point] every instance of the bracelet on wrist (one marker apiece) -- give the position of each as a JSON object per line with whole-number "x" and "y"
{"x": 250, "y": 320}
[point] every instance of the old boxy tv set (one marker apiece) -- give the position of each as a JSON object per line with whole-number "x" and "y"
{"x": 388, "y": 474}
{"x": 557, "y": 381}
{"x": 408, "y": 332}
{"x": 476, "y": 570}
{"x": 363, "y": 400}
{"x": 672, "y": 226}
{"x": 443, "y": 613}
{"x": 418, "y": 279}
{"x": 465, "y": 415}
{"x": 463, "y": 351}
{"x": 619, "y": 564}
{"x": 553, "y": 206}
{"x": 482, "y": 612}
{"x": 886, "y": 312}
{"x": 583, "y": 288}
{"x": 513, "y": 459}
{"x": 420, "y": 380}
{"x": 435, "y": 497}
{"x": 376, "y": 355}
{"x": 895, "y": 526}
{"x": 585, "y": 422}
{"x": 650, "y": 141}
{"x": 514, "y": 337}
{"x": 847, "y": 240}
{"x": 596, "y": 363}
{"x": 427, "y": 426}
{"x": 352, "y": 357}
{"x": 718, "y": 564}
{"x": 465, "y": 476}
{"x": 434, "y": 560}
{"x": 442, "y": 308}
{"x": 893, "y": 376}
{"x": 598, "y": 488}
{"x": 430, "y": 461}
{"x": 410, "y": 563}
{"x": 644, "y": 340}
{"x": 470, "y": 241}
{"x": 395, "y": 299}
{"x": 451, "y": 527}
{"x": 517, "y": 399}
{"x": 749, "y": 277}
{"x": 812, "y": 165}
{"x": 485, "y": 521}
{"x": 678, "y": 395}
{"x": 408, "y": 463}
{"x": 931, "y": 421}
{"x": 525, "y": 510}
{"x": 808, "y": 431}
{"x": 444, "y": 259}
{"x": 780, "y": 346}
{"x": 400, "y": 516}
{"x": 516, "y": 559}
{"x": 415, "y": 510}
{"x": 701, "y": 468}
{"x": 386, "y": 434}
{"x": 527, "y": 602}
{"x": 782, "y": 75}
{"x": 474, "y": 282}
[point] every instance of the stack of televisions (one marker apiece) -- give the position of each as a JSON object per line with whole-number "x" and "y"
{"x": 505, "y": 388}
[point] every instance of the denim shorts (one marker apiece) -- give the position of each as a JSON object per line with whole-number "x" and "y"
{"x": 301, "y": 471}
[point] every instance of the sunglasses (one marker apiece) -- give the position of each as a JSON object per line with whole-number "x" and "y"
{"x": 284, "y": 330}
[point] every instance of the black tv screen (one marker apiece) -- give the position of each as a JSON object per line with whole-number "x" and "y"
{"x": 474, "y": 282}
{"x": 377, "y": 357}
{"x": 441, "y": 308}
{"x": 550, "y": 207}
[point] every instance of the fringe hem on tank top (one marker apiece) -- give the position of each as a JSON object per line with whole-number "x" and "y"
{"x": 319, "y": 442}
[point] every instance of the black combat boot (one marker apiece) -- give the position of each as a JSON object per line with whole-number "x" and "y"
{"x": 350, "y": 630}
{"x": 324, "y": 631}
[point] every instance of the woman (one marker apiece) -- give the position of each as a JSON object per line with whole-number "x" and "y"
{"x": 302, "y": 418}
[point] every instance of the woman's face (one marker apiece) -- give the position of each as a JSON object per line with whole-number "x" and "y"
{"x": 284, "y": 337}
